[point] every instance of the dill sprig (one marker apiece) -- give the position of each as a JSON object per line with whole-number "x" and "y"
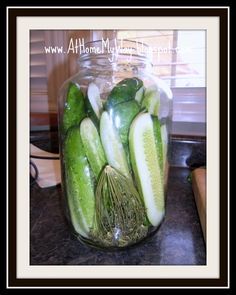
{"x": 120, "y": 213}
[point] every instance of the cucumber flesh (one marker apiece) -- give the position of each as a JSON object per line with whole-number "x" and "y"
{"x": 94, "y": 99}
{"x": 92, "y": 146}
{"x": 79, "y": 183}
{"x": 112, "y": 145}
{"x": 146, "y": 166}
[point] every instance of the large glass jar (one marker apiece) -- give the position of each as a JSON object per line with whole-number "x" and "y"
{"x": 114, "y": 120}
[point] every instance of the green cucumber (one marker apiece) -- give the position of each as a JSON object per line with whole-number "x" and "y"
{"x": 124, "y": 91}
{"x": 158, "y": 141}
{"x": 151, "y": 100}
{"x": 90, "y": 113}
{"x": 112, "y": 145}
{"x": 79, "y": 183}
{"x": 92, "y": 146}
{"x": 164, "y": 136}
{"x": 74, "y": 110}
{"x": 146, "y": 166}
{"x": 139, "y": 95}
{"x": 122, "y": 115}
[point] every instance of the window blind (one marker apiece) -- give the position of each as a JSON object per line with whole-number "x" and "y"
{"x": 49, "y": 70}
{"x": 38, "y": 72}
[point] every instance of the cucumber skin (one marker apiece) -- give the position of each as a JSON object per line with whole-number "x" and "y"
{"x": 164, "y": 136}
{"x": 139, "y": 95}
{"x": 158, "y": 142}
{"x": 123, "y": 115}
{"x": 92, "y": 146}
{"x": 74, "y": 109}
{"x": 155, "y": 207}
{"x": 124, "y": 91}
{"x": 151, "y": 100}
{"x": 78, "y": 183}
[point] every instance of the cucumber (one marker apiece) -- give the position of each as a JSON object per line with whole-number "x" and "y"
{"x": 146, "y": 166}
{"x": 79, "y": 183}
{"x": 122, "y": 115}
{"x": 124, "y": 91}
{"x": 151, "y": 100}
{"x": 74, "y": 110}
{"x": 90, "y": 113}
{"x": 164, "y": 136}
{"x": 158, "y": 141}
{"x": 94, "y": 99}
{"x": 112, "y": 145}
{"x": 92, "y": 146}
{"x": 139, "y": 95}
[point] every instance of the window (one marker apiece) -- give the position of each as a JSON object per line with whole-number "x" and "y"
{"x": 178, "y": 57}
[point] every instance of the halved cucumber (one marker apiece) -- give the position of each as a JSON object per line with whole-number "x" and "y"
{"x": 139, "y": 95}
{"x": 158, "y": 141}
{"x": 146, "y": 166}
{"x": 122, "y": 115}
{"x": 112, "y": 145}
{"x": 79, "y": 183}
{"x": 151, "y": 100}
{"x": 94, "y": 99}
{"x": 164, "y": 136}
{"x": 92, "y": 146}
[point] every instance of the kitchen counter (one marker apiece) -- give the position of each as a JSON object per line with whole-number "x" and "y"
{"x": 179, "y": 240}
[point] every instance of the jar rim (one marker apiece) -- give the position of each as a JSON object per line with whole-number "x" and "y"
{"x": 117, "y": 47}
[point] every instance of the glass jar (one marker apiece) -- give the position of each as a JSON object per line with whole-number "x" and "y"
{"x": 114, "y": 119}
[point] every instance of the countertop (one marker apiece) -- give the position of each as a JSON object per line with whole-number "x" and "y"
{"x": 179, "y": 240}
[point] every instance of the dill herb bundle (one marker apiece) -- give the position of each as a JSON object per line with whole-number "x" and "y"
{"x": 120, "y": 213}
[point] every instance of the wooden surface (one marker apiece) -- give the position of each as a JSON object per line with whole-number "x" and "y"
{"x": 199, "y": 189}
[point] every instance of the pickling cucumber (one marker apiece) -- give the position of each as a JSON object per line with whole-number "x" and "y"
{"x": 122, "y": 115}
{"x": 79, "y": 183}
{"x": 124, "y": 91}
{"x": 94, "y": 103}
{"x": 92, "y": 146}
{"x": 151, "y": 100}
{"x": 74, "y": 110}
{"x": 139, "y": 95}
{"x": 112, "y": 145}
{"x": 158, "y": 141}
{"x": 146, "y": 166}
{"x": 164, "y": 136}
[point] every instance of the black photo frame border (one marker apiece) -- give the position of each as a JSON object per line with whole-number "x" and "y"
{"x": 223, "y": 15}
